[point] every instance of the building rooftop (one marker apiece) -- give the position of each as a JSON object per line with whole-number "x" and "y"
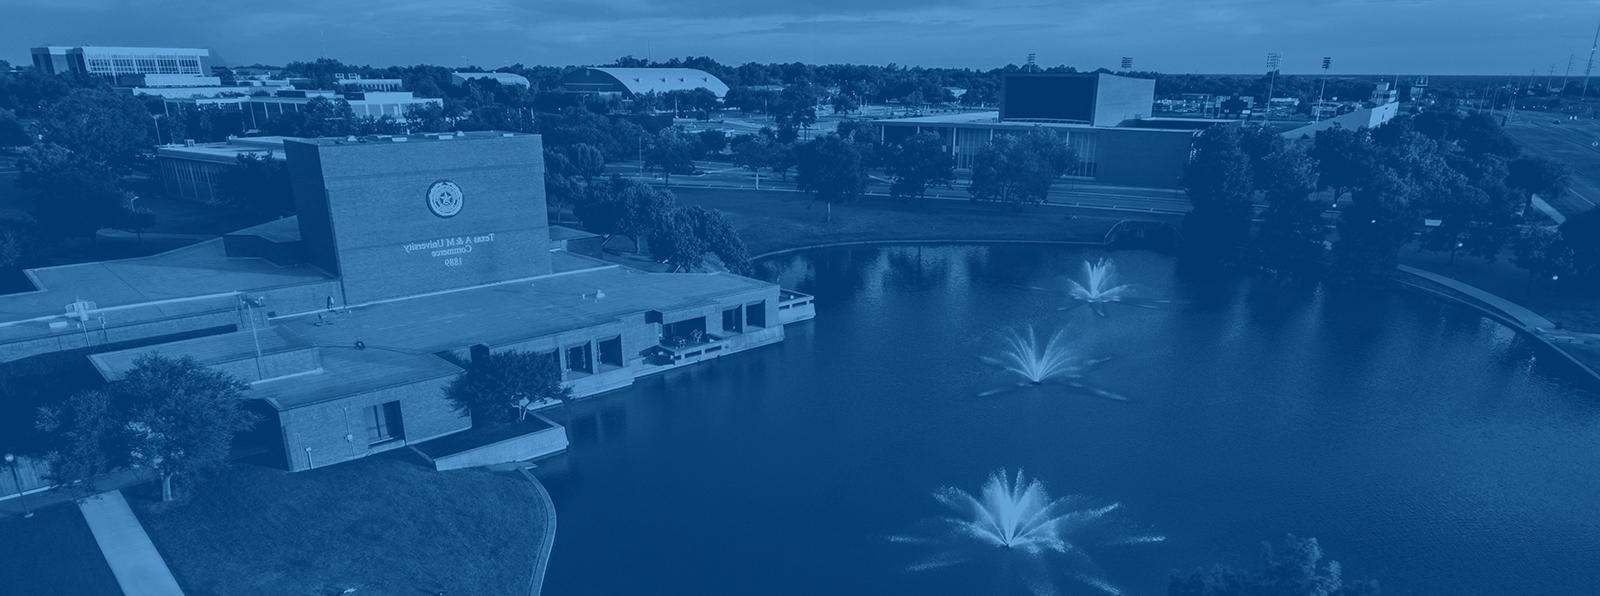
{"x": 992, "y": 119}
{"x": 421, "y": 137}
{"x": 180, "y": 281}
{"x": 662, "y": 80}
{"x": 581, "y": 293}
{"x": 400, "y": 338}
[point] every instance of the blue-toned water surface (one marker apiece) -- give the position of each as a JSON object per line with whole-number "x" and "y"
{"x": 1425, "y": 445}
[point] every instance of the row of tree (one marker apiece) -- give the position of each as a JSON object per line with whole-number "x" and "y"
{"x": 1457, "y": 182}
{"x": 685, "y": 238}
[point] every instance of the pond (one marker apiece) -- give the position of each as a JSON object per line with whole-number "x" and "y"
{"x": 1424, "y": 445}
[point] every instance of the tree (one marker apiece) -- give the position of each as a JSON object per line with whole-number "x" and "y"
{"x": 755, "y": 153}
{"x": 563, "y": 189}
{"x": 85, "y": 438}
{"x": 672, "y": 152}
{"x": 172, "y": 416}
{"x": 503, "y": 386}
{"x": 20, "y": 244}
{"x": 100, "y": 125}
{"x": 1480, "y": 134}
{"x": 182, "y": 417}
{"x": 1374, "y": 227}
{"x": 796, "y": 107}
{"x": 1344, "y": 159}
{"x": 1581, "y": 235}
{"x": 713, "y": 141}
{"x": 1220, "y": 185}
{"x": 12, "y": 134}
{"x": 1538, "y": 176}
{"x": 844, "y": 103}
{"x": 1291, "y": 236}
{"x": 319, "y": 117}
{"x": 641, "y": 209}
{"x": 77, "y": 196}
{"x": 1019, "y": 169}
{"x": 1294, "y": 568}
{"x": 1544, "y": 254}
{"x": 587, "y": 161}
{"x": 676, "y": 240}
{"x": 917, "y": 163}
{"x": 258, "y": 186}
{"x": 599, "y": 210}
{"x": 830, "y": 170}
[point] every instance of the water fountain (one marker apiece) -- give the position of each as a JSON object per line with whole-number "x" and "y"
{"x": 1014, "y": 519}
{"x": 1100, "y": 288}
{"x": 1051, "y": 362}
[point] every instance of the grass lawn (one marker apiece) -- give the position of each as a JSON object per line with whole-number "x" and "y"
{"x": 383, "y": 525}
{"x": 52, "y": 553}
{"x": 771, "y": 221}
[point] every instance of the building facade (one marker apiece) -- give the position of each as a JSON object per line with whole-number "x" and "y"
{"x": 191, "y": 171}
{"x": 410, "y": 257}
{"x": 104, "y": 61}
{"x": 1104, "y": 118}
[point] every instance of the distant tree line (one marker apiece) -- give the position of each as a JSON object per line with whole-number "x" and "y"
{"x": 1451, "y": 182}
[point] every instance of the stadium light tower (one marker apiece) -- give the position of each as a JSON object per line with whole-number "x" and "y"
{"x": 1273, "y": 60}
{"x": 1590, "y": 69}
{"x": 1127, "y": 63}
{"x": 1316, "y": 110}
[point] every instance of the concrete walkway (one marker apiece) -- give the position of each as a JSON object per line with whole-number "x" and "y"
{"x": 1536, "y": 325}
{"x": 547, "y": 511}
{"x": 128, "y": 551}
{"x": 1529, "y": 320}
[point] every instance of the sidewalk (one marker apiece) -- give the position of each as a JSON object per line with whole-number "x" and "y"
{"x": 1563, "y": 321}
{"x": 127, "y": 548}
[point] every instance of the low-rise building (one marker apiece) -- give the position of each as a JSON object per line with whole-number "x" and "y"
{"x": 191, "y": 170}
{"x": 504, "y": 78}
{"x": 410, "y": 256}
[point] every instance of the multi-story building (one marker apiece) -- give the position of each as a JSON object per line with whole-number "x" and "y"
{"x": 410, "y": 257}
{"x": 111, "y": 62}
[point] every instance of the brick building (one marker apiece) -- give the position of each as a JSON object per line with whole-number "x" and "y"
{"x": 409, "y": 257}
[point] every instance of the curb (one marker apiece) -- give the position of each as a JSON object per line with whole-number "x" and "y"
{"x": 1416, "y": 282}
{"x": 536, "y": 582}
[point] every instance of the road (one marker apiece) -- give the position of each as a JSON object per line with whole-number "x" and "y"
{"x": 1083, "y": 195}
{"x": 1575, "y": 143}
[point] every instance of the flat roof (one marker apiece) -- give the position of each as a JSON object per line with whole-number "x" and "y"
{"x": 992, "y": 120}
{"x": 412, "y": 138}
{"x": 401, "y": 338}
{"x": 516, "y": 311}
{"x": 139, "y": 50}
{"x": 348, "y": 371}
{"x": 164, "y": 282}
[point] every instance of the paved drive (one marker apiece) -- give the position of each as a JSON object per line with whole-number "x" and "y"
{"x": 127, "y": 549}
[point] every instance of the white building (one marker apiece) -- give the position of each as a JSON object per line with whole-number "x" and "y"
{"x": 504, "y": 78}
{"x": 108, "y": 61}
{"x": 191, "y": 171}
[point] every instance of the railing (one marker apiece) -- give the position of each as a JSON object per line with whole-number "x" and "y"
{"x": 675, "y": 349}
{"x": 32, "y": 473}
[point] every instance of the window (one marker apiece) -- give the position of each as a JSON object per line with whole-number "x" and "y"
{"x": 611, "y": 351}
{"x": 732, "y": 320}
{"x": 756, "y": 314}
{"x": 578, "y": 359}
{"x": 383, "y": 423}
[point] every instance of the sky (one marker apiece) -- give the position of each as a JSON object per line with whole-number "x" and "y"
{"x": 1173, "y": 36}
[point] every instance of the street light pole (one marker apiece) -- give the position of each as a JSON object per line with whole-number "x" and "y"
{"x": 16, "y": 478}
